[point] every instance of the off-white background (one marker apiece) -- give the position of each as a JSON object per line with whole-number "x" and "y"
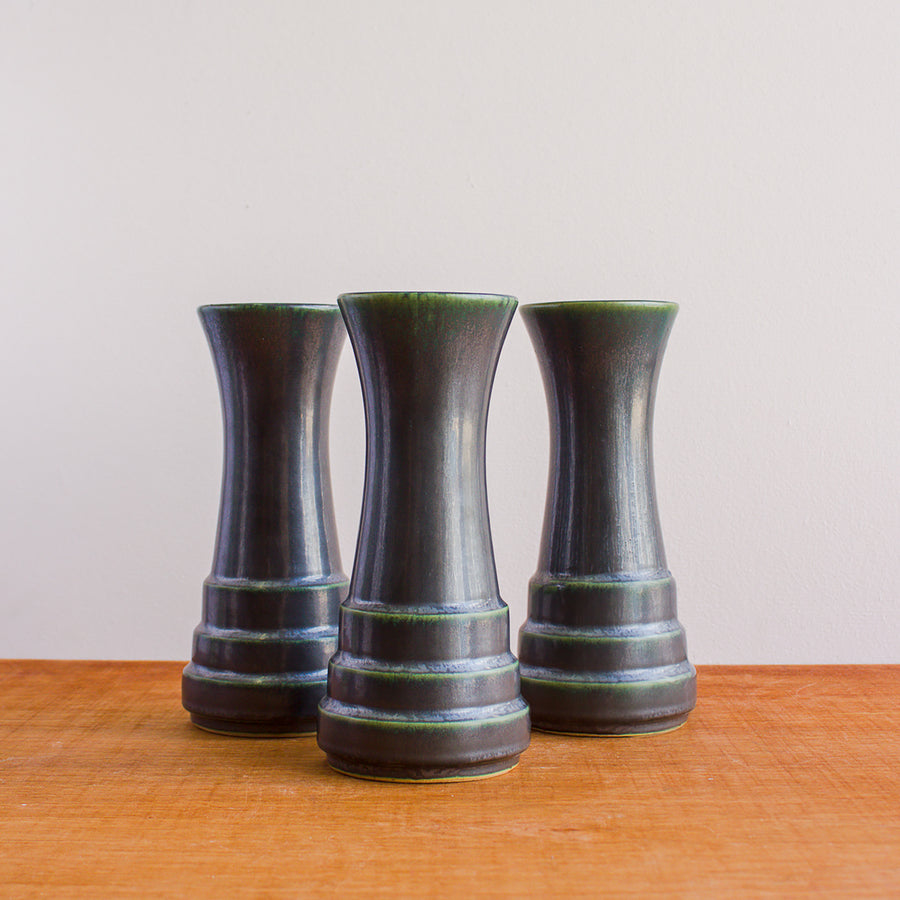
{"x": 740, "y": 158}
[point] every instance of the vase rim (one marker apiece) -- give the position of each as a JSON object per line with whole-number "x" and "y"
{"x": 314, "y": 307}
{"x": 598, "y": 304}
{"x": 462, "y": 296}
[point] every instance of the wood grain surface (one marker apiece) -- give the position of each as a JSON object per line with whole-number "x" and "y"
{"x": 784, "y": 782}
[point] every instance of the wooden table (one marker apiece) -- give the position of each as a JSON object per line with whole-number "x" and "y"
{"x": 784, "y": 782}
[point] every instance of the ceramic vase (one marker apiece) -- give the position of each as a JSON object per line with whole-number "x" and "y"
{"x": 424, "y": 687}
{"x": 270, "y": 604}
{"x": 602, "y": 651}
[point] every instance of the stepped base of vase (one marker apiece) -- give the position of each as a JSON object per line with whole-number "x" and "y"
{"x": 423, "y": 696}
{"x": 289, "y": 729}
{"x": 574, "y": 729}
{"x": 260, "y": 655}
{"x": 605, "y": 657}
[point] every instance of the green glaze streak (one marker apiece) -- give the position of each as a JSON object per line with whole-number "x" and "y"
{"x": 426, "y": 616}
{"x": 599, "y": 308}
{"x": 450, "y": 726}
{"x": 439, "y": 300}
{"x": 563, "y": 583}
{"x": 410, "y": 676}
{"x": 591, "y": 684}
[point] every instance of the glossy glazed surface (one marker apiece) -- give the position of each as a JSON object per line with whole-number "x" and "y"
{"x": 424, "y": 686}
{"x": 271, "y": 601}
{"x": 602, "y": 650}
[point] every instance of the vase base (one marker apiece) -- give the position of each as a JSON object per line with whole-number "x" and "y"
{"x": 280, "y": 704}
{"x": 254, "y": 729}
{"x": 581, "y": 729}
{"x": 422, "y": 745}
{"x": 644, "y": 701}
{"x": 404, "y": 775}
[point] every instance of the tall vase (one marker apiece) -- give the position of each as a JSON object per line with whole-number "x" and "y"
{"x": 602, "y": 651}
{"x": 270, "y": 605}
{"x": 424, "y": 687}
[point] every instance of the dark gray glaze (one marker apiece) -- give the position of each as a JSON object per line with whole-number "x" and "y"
{"x": 602, "y": 651}
{"x": 270, "y": 604}
{"x": 424, "y": 686}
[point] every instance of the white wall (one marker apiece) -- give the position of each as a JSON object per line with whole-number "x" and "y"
{"x": 741, "y": 159}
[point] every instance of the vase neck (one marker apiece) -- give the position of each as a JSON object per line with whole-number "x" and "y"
{"x": 600, "y": 364}
{"x": 276, "y": 367}
{"x": 426, "y": 365}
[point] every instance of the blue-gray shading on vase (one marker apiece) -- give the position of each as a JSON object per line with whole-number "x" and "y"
{"x": 602, "y": 651}
{"x": 270, "y": 604}
{"x": 424, "y": 686}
